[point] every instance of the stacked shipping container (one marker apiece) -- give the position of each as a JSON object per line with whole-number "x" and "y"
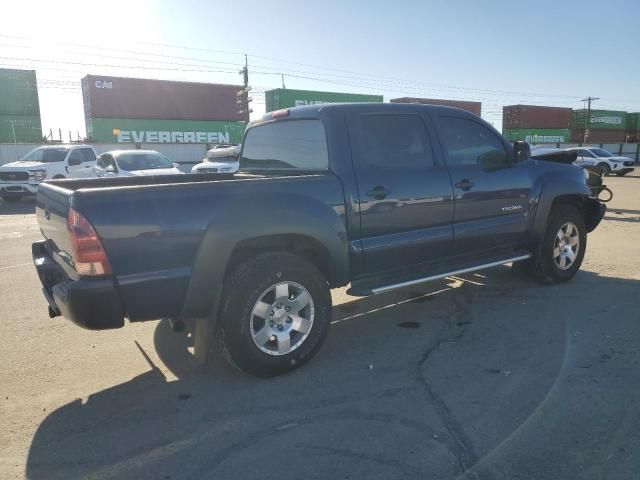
{"x": 604, "y": 126}
{"x": 286, "y": 98}
{"x": 19, "y": 107}
{"x": 473, "y": 107}
{"x": 536, "y": 124}
{"x": 158, "y": 111}
{"x": 633, "y": 128}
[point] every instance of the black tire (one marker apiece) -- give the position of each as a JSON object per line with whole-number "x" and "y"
{"x": 243, "y": 287}
{"x": 11, "y": 198}
{"x": 543, "y": 266}
{"x": 604, "y": 169}
{"x": 621, "y": 174}
{"x": 59, "y": 177}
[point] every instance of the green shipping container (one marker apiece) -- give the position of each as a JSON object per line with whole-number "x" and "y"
{"x": 20, "y": 129}
{"x": 633, "y": 121}
{"x": 600, "y": 119}
{"x": 286, "y": 98}
{"x": 18, "y": 92}
{"x": 538, "y": 135}
{"x": 132, "y": 130}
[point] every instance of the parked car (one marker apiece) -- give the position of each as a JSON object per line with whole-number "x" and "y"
{"x": 130, "y": 163}
{"x": 186, "y": 166}
{"x": 382, "y": 196}
{"x": 219, "y": 160}
{"x": 604, "y": 161}
{"x": 22, "y": 178}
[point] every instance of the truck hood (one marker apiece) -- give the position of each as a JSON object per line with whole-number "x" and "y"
{"x": 154, "y": 171}
{"x": 557, "y": 157}
{"x": 21, "y": 165}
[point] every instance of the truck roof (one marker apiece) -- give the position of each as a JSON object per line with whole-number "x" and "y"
{"x": 315, "y": 111}
{"x": 66, "y": 145}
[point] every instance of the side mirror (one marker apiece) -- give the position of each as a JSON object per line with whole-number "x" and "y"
{"x": 521, "y": 151}
{"x": 74, "y": 161}
{"x": 110, "y": 169}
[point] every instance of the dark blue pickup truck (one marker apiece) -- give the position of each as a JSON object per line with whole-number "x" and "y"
{"x": 381, "y": 196}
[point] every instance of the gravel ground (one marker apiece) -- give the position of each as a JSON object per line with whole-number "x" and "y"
{"x": 481, "y": 376}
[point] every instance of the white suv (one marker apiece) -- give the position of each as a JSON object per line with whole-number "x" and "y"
{"x": 604, "y": 161}
{"x": 219, "y": 160}
{"x": 21, "y": 178}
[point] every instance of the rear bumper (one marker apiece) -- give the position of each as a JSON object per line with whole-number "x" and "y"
{"x": 90, "y": 303}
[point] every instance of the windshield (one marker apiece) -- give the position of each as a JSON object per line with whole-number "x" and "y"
{"x": 288, "y": 145}
{"x": 46, "y": 155}
{"x": 599, "y": 152}
{"x": 142, "y": 161}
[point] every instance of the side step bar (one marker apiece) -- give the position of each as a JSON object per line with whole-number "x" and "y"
{"x": 408, "y": 283}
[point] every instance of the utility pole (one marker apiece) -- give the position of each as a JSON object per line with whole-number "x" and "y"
{"x": 587, "y": 119}
{"x": 283, "y": 86}
{"x": 242, "y": 95}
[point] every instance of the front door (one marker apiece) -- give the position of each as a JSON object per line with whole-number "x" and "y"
{"x": 405, "y": 196}
{"x": 491, "y": 191}
{"x": 80, "y": 163}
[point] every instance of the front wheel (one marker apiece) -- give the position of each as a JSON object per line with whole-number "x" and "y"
{"x": 274, "y": 315}
{"x": 563, "y": 246}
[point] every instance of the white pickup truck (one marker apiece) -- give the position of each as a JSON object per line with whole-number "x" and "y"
{"x": 20, "y": 179}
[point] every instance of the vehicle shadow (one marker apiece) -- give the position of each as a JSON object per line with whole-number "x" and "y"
{"x": 364, "y": 404}
{"x": 22, "y": 207}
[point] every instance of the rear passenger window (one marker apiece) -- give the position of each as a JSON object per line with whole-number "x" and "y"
{"x": 470, "y": 143}
{"x": 394, "y": 141}
{"x": 290, "y": 144}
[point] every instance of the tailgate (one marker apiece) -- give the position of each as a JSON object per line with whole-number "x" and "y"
{"x": 52, "y": 207}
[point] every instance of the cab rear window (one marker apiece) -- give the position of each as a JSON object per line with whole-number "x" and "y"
{"x": 285, "y": 145}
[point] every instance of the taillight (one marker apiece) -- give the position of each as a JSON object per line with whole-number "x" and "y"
{"x": 86, "y": 248}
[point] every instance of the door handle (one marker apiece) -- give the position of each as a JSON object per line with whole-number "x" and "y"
{"x": 464, "y": 184}
{"x": 379, "y": 192}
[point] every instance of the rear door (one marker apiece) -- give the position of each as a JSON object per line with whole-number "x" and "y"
{"x": 491, "y": 191}
{"x": 586, "y": 158}
{"x": 405, "y": 195}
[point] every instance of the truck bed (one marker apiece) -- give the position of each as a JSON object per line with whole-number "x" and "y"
{"x": 152, "y": 228}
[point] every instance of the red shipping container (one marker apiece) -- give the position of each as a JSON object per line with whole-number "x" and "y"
{"x": 116, "y": 97}
{"x": 473, "y": 107}
{"x": 599, "y": 136}
{"x": 535, "y": 116}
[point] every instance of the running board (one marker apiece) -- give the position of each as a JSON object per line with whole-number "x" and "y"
{"x": 417, "y": 281}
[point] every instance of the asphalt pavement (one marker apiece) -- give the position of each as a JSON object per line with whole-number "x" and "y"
{"x": 481, "y": 376}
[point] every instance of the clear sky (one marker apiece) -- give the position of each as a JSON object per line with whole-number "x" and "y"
{"x": 497, "y": 52}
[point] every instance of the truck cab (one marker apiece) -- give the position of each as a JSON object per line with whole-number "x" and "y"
{"x": 22, "y": 178}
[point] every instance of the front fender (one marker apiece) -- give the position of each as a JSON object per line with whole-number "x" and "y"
{"x": 566, "y": 182}
{"x": 261, "y": 216}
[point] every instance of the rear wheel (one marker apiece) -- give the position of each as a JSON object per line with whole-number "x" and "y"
{"x": 275, "y": 314}
{"x": 563, "y": 247}
{"x": 11, "y": 198}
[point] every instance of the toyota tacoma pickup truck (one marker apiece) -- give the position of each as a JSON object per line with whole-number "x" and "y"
{"x": 378, "y": 196}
